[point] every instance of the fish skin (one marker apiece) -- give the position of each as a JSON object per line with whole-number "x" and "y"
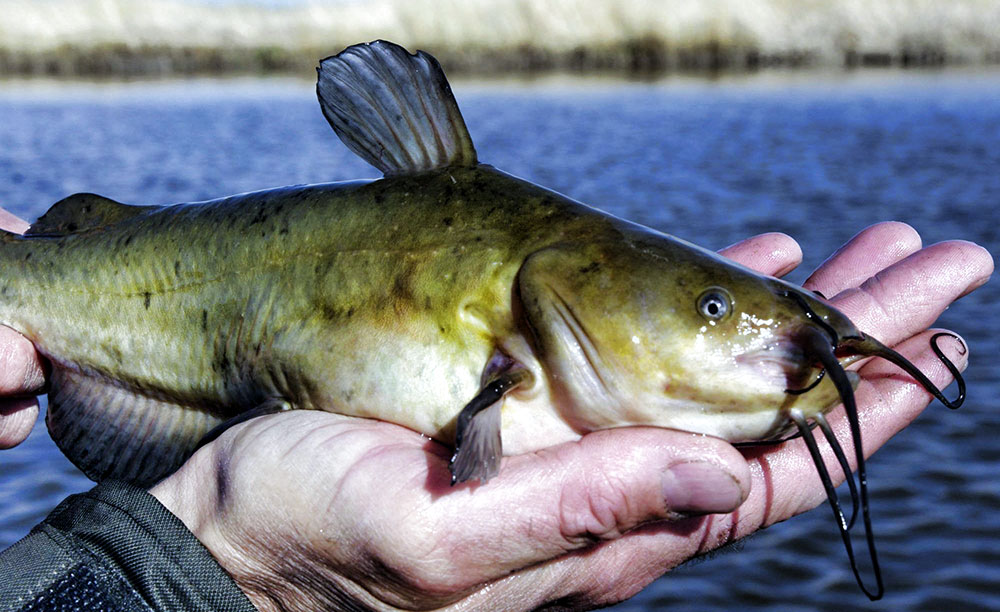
{"x": 386, "y": 299}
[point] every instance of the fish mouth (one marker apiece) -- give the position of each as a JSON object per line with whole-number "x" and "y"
{"x": 786, "y": 364}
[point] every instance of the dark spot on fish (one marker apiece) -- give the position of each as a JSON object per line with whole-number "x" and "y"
{"x": 350, "y": 312}
{"x": 478, "y": 238}
{"x": 27, "y": 255}
{"x": 177, "y": 268}
{"x": 260, "y": 217}
{"x": 328, "y": 312}
{"x": 379, "y": 198}
{"x": 321, "y": 268}
{"x": 128, "y": 240}
{"x": 115, "y": 353}
{"x": 448, "y": 221}
{"x": 427, "y": 302}
{"x": 71, "y": 227}
{"x": 401, "y": 287}
{"x": 146, "y": 298}
{"x": 591, "y": 267}
{"x": 204, "y": 320}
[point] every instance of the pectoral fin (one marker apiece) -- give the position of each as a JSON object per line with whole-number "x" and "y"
{"x": 478, "y": 447}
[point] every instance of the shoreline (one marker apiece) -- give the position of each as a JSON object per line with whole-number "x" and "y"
{"x": 642, "y": 58}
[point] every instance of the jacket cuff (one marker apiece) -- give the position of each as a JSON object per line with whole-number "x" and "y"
{"x": 120, "y": 537}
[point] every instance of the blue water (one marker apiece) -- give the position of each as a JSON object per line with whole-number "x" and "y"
{"x": 816, "y": 156}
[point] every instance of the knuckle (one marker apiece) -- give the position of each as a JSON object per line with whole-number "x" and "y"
{"x": 598, "y": 511}
{"x": 20, "y": 370}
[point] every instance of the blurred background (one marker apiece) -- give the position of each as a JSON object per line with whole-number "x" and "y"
{"x": 164, "y": 37}
{"x": 709, "y": 120}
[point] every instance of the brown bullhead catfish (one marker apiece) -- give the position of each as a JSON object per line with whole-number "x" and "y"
{"x": 447, "y": 297}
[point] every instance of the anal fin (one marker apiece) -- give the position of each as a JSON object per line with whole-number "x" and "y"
{"x": 109, "y": 431}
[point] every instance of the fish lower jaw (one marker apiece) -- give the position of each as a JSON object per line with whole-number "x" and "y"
{"x": 729, "y": 426}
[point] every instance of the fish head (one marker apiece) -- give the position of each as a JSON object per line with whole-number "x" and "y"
{"x": 652, "y": 330}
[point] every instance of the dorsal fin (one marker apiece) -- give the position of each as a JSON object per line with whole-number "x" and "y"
{"x": 82, "y": 212}
{"x": 394, "y": 109}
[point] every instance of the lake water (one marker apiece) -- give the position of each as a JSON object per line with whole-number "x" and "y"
{"x": 816, "y": 156}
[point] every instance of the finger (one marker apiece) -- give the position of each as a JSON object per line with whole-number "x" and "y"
{"x": 17, "y": 418}
{"x": 774, "y": 253}
{"x": 873, "y": 249}
{"x": 570, "y": 496}
{"x": 21, "y": 374}
{"x": 21, "y": 370}
{"x": 909, "y": 295}
{"x": 13, "y": 223}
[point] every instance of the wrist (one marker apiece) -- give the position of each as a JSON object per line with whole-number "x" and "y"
{"x": 189, "y": 493}
{"x": 195, "y": 495}
{"x": 192, "y": 494}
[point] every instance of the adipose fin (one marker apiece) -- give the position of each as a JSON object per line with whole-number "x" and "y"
{"x": 83, "y": 212}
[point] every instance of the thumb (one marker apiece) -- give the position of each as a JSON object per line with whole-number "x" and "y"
{"x": 570, "y": 496}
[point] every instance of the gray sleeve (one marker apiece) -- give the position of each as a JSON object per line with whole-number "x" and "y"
{"x": 114, "y": 548}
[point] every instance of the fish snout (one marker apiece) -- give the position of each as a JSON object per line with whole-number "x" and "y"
{"x": 820, "y": 314}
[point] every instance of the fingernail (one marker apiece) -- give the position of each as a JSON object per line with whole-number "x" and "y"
{"x": 700, "y": 488}
{"x": 958, "y": 351}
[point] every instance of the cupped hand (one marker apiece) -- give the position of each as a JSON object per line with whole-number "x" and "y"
{"x": 321, "y": 511}
{"x": 22, "y": 372}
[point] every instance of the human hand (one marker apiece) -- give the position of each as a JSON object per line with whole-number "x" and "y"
{"x": 322, "y": 511}
{"x": 22, "y": 371}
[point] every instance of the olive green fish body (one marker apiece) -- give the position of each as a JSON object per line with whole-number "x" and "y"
{"x": 382, "y": 299}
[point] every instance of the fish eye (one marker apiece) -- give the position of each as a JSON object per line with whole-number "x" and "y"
{"x": 714, "y": 304}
